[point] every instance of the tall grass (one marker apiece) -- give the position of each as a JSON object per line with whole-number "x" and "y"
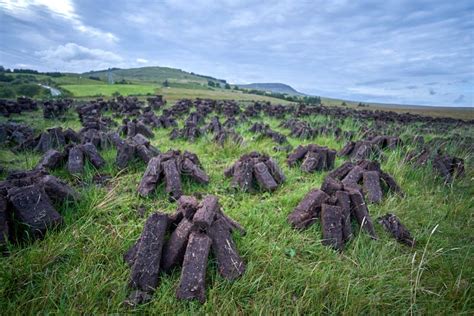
{"x": 79, "y": 268}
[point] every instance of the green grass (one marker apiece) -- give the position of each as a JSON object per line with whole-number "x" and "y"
{"x": 79, "y": 268}
{"x": 89, "y": 90}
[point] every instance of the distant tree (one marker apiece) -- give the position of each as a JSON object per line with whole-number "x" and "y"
{"x": 5, "y": 78}
{"x": 28, "y": 90}
{"x": 211, "y": 83}
{"x": 166, "y": 83}
{"x": 344, "y": 103}
{"x": 7, "y": 92}
{"x": 116, "y": 94}
{"x": 227, "y": 86}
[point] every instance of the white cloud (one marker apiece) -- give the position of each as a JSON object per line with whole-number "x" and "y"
{"x": 64, "y": 9}
{"x": 74, "y": 57}
{"x": 142, "y": 61}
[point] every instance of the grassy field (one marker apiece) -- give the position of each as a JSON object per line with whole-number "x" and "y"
{"x": 79, "y": 269}
{"x": 90, "y": 90}
{"x": 454, "y": 112}
{"x": 170, "y": 93}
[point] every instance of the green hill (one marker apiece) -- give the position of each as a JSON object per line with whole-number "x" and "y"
{"x": 151, "y": 75}
{"x": 271, "y": 87}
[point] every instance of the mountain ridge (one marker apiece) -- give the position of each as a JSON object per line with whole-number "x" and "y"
{"x": 276, "y": 87}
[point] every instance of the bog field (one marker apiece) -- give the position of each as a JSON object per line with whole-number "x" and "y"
{"x": 86, "y": 179}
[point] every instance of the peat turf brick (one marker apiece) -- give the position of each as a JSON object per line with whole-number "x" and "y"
{"x": 353, "y": 177}
{"x": 311, "y": 162}
{"x": 146, "y": 268}
{"x": 151, "y": 177}
{"x": 189, "y": 168}
{"x": 232, "y": 224}
{"x": 188, "y": 205}
{"x": 172, "y": 179}
{"x": 144, "y": 153}
{"x": 296, "y": 155}
{"x": 323, "y": 152}
{"x": 131, "y": 254}
{"x": 4, "y": 233}
{"x": 361, "y": 213}
{"x": 51, "y": 159}
{"x": 330, "y": 159}
{"x": 174, "y": 219}
{"x": 75, "y": 162}
{"x": 243, "y": 176}
{"x": 57, "y": 190}
{"x": 372, "y": 189}
{"x": 93, "y": 155}
{"x": 206, "y": 212}
{"x": 392, "y": 224}
{"x": 275, "y": 171}
{"x": 331, "y": 223}
{"x": 391, "y": 183}
{"x": 45, "y": 143}
{"x": 347, "y": 149}
{"x": 175, "y": 247}
{"x": 33, "y": 208}
{"x": 340, "y": 172}
{"x": 306, "y": 212}
{"x": 331, "y": 185}
{"x": 192, "y": 284}
{"x": 344, "y": 202}
{"x": 125, "y": 154}
{"x": 229, "y": 263}
{"x": 264, "y": 178}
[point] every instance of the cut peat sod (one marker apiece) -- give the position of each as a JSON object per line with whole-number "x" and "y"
{"x": 184, "y": 239}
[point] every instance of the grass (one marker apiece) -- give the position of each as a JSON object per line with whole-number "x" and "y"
{"x": 79, "y": 268}
{"x": 89, "y": 90}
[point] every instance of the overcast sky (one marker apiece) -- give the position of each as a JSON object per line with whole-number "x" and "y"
{"x": 393, "y": 51}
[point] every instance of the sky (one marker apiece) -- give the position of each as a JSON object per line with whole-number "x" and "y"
{"x": 393, "y": 51}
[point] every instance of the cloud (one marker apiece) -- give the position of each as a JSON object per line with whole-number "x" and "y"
{"x": 74, "y": 57}
{"x": 393, "y": 52}
{"x": 142, "y": 61}
{"x": 432, "y": 92}
{"x": 63, "y": 9}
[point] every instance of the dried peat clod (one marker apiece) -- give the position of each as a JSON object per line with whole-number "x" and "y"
{"x": 33, "y": 208}
{"x": 254, "y": 171}
{"x": 145, "y": 269}
{"x": 363, "y": 149}
{"x": 229, "y": 263}
{"x": 192, "y": 284}
{"x": 331, "y": 223}
{"x": 192, "y": 229}
{"x": 307, "y": 211}
{"x": 312, "y": 157}
{"x": 392, "y": 224}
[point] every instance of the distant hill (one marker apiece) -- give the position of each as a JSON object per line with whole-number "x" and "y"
{"x": 271, "y": 87}
{"x": 152, "y": 74}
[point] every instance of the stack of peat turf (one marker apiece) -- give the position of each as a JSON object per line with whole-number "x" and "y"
{"x": 313, "y": 157}
{"x": 255, "y": 170}
{"x": 194, "y": 230}
{"x": 168, "y": 168}
{"x": 340, "y": 199}
{"x": 26, "y": 204}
